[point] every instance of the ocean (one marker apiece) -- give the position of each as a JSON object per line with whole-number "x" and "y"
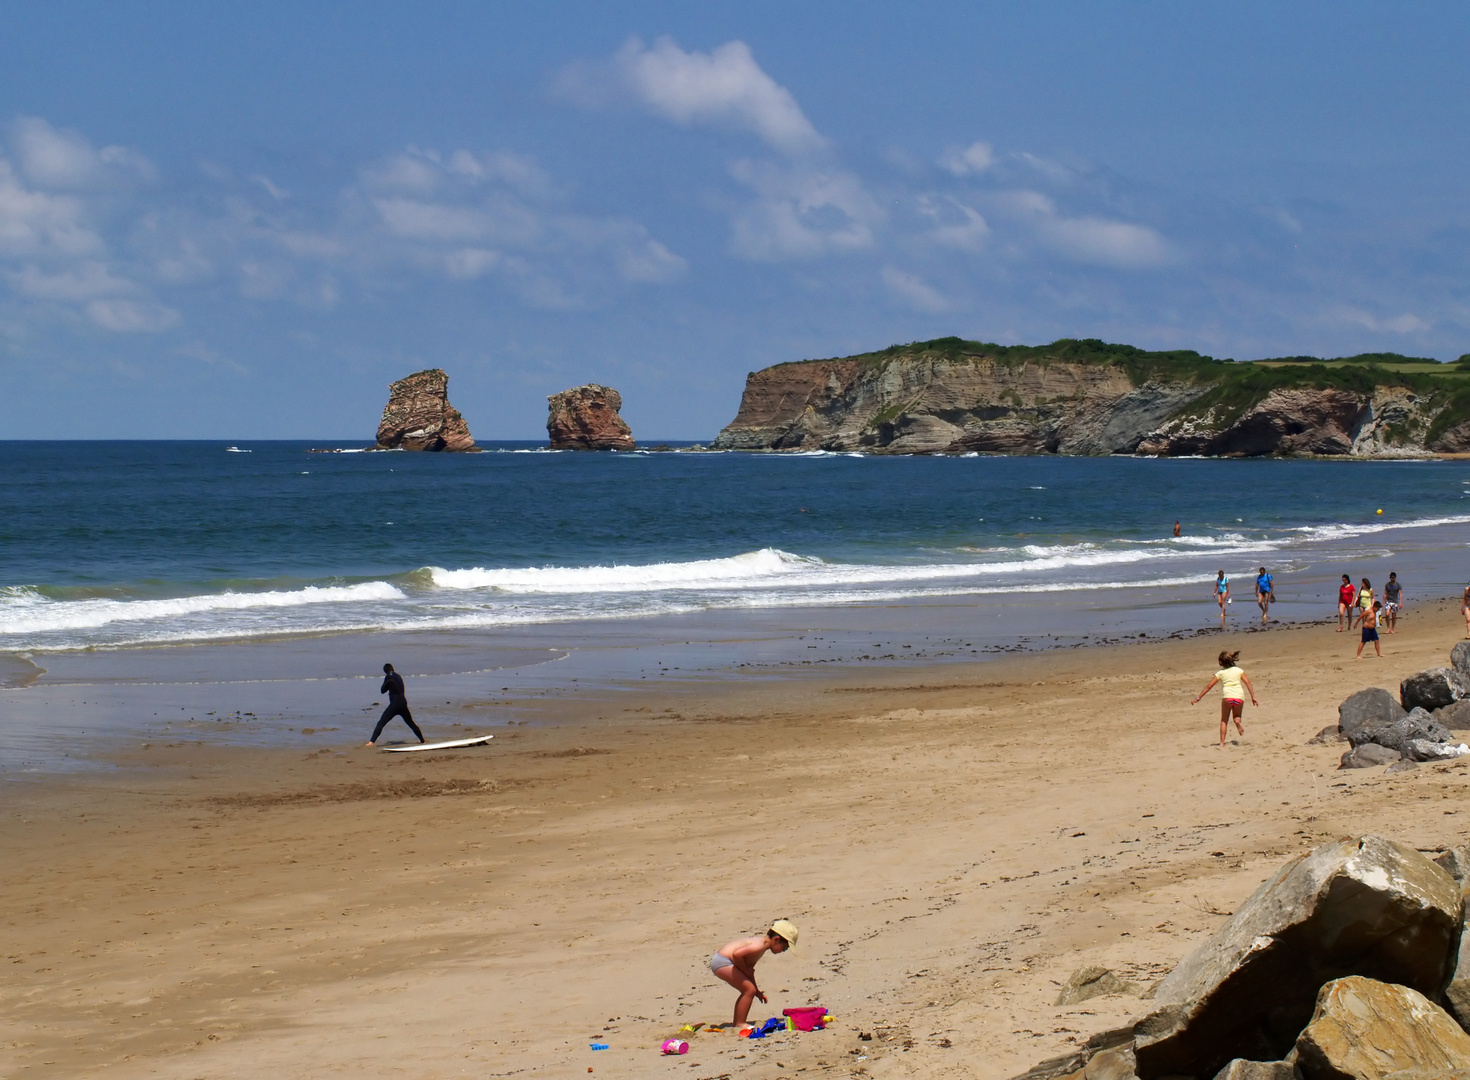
{"x": 108, "y": 545}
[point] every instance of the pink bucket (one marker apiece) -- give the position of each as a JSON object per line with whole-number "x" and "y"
{"x": 674, "y": 1046}
{"x": 806, "y": 1019}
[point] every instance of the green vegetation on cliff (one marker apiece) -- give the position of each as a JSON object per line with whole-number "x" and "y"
{"x": 1234, "y": 387}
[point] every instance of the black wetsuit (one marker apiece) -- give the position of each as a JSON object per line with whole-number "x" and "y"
{"x": 397, "y": 706}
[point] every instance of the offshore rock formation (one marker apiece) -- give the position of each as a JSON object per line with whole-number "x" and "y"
{"x": 418, "y": 416}
{"x": 1087, "y": 397}
{"x": 586, "y": 418}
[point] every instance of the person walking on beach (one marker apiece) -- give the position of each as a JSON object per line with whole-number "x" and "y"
{"x": 1347, "y": 598}
{"x": 1232, "y": 699}
{"x": 1365, "y": 600}
{"x": 1370, "y": 630}
{"x": 1465, "y": 609}
{"x": 397, "y": 704}
{"x": 1393, "y": 602}
{"x": 1264, "y": 593}
{"x": 735, "y": 963}
{"x": 1222, "y": 594}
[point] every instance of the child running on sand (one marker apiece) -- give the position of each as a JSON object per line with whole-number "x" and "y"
{"x": 1370, "y": 630}
{"x": 1222, "y": 593}
{"x": 1232, "y": 702}
{"x": 735, "y": 963}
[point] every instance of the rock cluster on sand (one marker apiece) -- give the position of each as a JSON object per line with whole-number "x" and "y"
{"x": 418, "y": 416}
{"x": 586, "y": 418}
{"x": 1417, "y": 726}
{"x": 1336, "y": 967}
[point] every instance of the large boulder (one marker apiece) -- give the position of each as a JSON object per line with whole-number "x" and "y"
{"x": 1367, "y": 1030}
{"x": 418, "y": 416}
{"x": 586, "y": 418}
{"x": 1367, "y": 907}
{"x": 1456, "y": 717}
{"x": 1368, "y": 756}
{"x": 1416, "y": 727}
{"x": 1433, "y": 689}
{"x": 1460, "y": 658}
{"x": 1368, "y": 707}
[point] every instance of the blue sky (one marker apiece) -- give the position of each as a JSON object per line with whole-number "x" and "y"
{"x": 243, "y": 222}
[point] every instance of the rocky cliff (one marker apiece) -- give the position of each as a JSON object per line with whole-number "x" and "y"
{"x": 418, "y": 416}
{"x": 586, "y": 418}
{"x": 1088, "y": 397}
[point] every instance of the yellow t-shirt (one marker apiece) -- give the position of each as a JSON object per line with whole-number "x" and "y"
{"x": 1230, "y": 686}
{"x": 1365, "y": 598}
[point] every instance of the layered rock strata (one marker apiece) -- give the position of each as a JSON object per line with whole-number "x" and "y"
{"x": 418, "y": 416}
{"x": 937, "y": 397}
{"x": 586, "y": 418}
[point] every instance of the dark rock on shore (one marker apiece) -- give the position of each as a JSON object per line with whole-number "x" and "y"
{"x": 1332, "y": 733}
{"x": 1433, "y": 689}
{"x": 1404, "y": 735}
{"x": 418, "y": 416}
{"x": 1456, "y": 717}
{"x": 1368, "y": 756}
{"x": 1091, "y": 982}
{"x": 1368, "y": 707}
{"x": 586, "y": 418}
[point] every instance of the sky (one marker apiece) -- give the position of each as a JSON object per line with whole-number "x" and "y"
{"x": 243, "y": 221}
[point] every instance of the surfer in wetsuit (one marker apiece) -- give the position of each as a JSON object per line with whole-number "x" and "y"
{"x": 397, "y": 704}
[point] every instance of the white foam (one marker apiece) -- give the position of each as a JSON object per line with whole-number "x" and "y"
{"x": 49, "y": 616}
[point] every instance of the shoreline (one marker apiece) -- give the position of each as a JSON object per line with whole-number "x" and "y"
{"x": 953, "y": 839}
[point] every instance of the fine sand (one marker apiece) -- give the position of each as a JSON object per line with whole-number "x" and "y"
{"x": 953, "y": 842}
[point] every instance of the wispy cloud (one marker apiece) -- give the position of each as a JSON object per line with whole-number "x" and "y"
{"x": 724, "y": 87}
{"x": 914, "y": 291}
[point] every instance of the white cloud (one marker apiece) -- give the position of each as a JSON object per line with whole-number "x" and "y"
{"x": 1406, "y": 323}
{"x": 1094, "y": 240}
{"x": 914, "y": 291}
{"x": 955, "y": 224}
{"x": 132, "y": 316}
{"x": 37, "y": 223}
{"x": 56, "y": 160}
{"x": 85, "y": 281}
{"x": 724, "y": 87}
{"x": 970, "y": 160}
{"x": 802, "y": 212}
{"x": 280, "y": 194}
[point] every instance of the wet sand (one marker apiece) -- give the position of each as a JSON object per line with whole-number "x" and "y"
{"x": 953, "y": 840}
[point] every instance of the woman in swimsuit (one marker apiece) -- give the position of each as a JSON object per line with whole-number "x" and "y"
{"x": 1346, "y": 597}
{"x": 1365, "y": 600}
{"x": 1222, "y": 593}
{"x": 1465, "y": 610}
{"x": 735, "y": 963}
{"x": 1232, "y": 700}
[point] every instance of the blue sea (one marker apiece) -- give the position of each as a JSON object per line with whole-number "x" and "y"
{"x": 107, "y": 545}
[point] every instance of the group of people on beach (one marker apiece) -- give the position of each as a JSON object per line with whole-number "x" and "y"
{"x": 1265, "y": 592}
{"x": 1358, "y": 606}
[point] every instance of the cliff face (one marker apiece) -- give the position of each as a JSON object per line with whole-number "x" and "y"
{"x": 586, "y": 418}
{"x": 418, "y": 416}
{"x": 947, "y": 400}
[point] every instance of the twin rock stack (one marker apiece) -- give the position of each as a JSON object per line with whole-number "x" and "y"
{"x": 418, "y": 416}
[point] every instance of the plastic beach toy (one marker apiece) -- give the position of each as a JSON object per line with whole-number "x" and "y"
{"x": 674, "y": 1046}
{"x": 600, "y": 1046}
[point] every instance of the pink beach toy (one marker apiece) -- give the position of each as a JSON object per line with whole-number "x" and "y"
{"x": 806, "y": 1019}
{"x": 674, "y": 1046}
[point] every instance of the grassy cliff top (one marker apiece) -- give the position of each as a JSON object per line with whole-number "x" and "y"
{"x": 1251, "y": 379}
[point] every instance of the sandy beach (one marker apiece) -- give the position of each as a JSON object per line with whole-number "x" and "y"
{"x": 953, "y": 841}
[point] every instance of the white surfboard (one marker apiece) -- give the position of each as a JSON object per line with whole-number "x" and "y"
{"x": 478, "y": 740}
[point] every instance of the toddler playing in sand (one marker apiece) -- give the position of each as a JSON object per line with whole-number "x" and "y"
{"x": 735, "y": 963}
{"x": 1232, "y": 701}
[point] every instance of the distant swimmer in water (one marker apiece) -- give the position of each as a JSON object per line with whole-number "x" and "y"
{"x": 1176, "y": 528}
{"x": 397, "y": 704}
{"x": 1232, "y": 700}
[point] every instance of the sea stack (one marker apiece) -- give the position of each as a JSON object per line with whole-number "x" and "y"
{"x": 418, "y": 416}
{"x": 586, "y": 418}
